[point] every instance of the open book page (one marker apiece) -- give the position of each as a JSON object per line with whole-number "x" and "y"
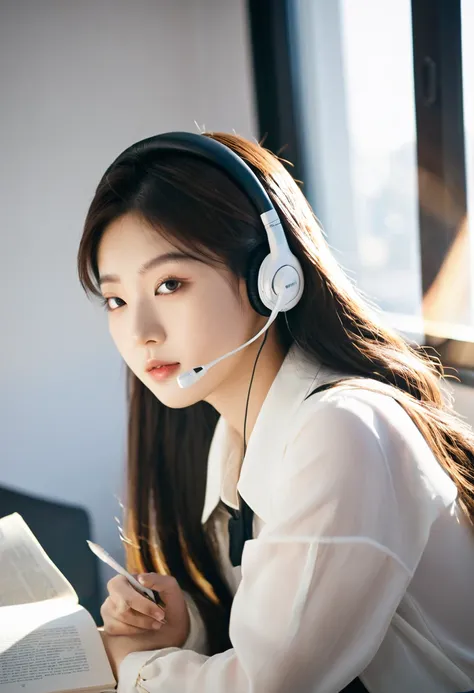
{"x": 51, "y": 646}
{"x": 27, "y": 574}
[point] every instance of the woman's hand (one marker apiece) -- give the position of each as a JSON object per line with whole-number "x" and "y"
{"x": 126, "y": 612}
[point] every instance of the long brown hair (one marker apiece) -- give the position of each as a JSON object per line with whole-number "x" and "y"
{"x": 196, "y": 205}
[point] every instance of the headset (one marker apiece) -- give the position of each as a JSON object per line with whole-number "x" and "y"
{"x": 274, "y": 279}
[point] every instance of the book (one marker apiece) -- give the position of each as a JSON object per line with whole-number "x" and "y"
{"x": 48, "y": 642}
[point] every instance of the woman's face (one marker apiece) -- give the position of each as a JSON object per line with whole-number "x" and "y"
{"x": 176, "y": 310}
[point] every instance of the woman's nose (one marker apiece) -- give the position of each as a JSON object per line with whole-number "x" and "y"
{"x": 148, "y": 327}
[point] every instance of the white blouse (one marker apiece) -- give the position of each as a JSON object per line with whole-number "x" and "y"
{"x": 362, "y": 563}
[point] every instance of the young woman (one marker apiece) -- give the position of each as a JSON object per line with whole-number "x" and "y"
{"x": 304, "y": 507}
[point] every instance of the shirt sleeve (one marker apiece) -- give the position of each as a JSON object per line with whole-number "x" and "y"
{"x": 321, "y": 582}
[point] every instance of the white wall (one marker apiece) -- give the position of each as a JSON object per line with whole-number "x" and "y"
{"x": 79, "y": 82}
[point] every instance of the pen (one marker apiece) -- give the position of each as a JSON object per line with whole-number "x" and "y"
{"x": 107, "y": 558}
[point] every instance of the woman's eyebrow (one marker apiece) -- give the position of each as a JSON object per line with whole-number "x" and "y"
{"x": 151, "y": 264}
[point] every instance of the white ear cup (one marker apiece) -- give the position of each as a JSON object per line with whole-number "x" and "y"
{"x": 281, "y": 276}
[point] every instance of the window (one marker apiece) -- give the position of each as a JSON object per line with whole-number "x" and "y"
{"x": 357, "y": 100}
{"x": 467, "y": 27}
{"x": 373, "y": 103}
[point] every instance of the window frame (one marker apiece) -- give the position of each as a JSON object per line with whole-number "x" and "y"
{"x": 437, "y": 56}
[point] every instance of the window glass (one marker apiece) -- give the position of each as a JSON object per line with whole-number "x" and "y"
{"x": 356, "y": 95}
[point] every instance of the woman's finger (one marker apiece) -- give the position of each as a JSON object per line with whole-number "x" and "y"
{"x": 160, "y": 583}
{"x": 115, "y": 627}
{"x": 125, "y": 597}
{"x": 123, "y": 612}
{"x": 112, "y": 611}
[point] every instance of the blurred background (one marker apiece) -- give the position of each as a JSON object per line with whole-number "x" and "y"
{"x": 372, "y": 102}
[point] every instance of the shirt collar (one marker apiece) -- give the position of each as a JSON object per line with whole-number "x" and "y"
{"x": 297, "y": 377}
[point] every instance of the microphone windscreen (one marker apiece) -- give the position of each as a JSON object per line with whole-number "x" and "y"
{"x": 189, "y": 378}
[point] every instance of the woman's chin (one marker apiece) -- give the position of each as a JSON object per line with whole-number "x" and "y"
{"x": 175, "y": 397}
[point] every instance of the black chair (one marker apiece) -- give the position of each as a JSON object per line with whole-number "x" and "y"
{"x": 62, "y": 530}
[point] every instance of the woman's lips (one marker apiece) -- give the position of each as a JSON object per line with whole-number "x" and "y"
{"x": 162, "y": 372}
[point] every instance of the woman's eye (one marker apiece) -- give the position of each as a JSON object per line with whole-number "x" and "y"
{"x": 168, "y": 287}
{"x": 113, "y": 302}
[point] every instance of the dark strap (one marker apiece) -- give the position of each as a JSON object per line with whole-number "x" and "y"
{"x": 355, "y": 686}
{"x": 241, "y": 529}
{"x": 326, "y": 386}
